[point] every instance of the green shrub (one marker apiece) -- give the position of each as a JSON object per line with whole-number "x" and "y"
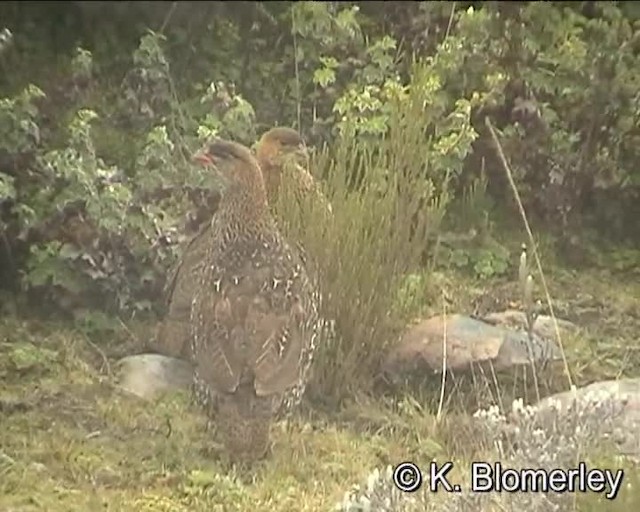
{"x": 380, "y": 224}
{"x": 93, "y": 226}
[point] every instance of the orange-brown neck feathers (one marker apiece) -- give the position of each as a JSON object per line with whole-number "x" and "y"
{"x": 272, "y": 146}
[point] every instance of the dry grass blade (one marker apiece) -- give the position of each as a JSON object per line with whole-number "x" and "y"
{"x": 536, "y": 256}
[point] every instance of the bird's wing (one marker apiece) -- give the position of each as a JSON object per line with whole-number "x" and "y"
{"x": 252, "y": 324}
{"x": 279, "y": 338}
{"x": 309, "y": 187}
{"x": 305, "y": 180}
{"x": 217, "y": 356}
{"x": 190, "y": 261}
{"x": 276, "y": 319}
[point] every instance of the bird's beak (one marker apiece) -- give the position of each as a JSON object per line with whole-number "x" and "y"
{"x": 203, "y": 158}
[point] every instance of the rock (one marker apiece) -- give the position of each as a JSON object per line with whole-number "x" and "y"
{"x": 149, "y": 375}
{"x": 624, "y": 395}
{"x": 543, "y": 325}
{"x": 468, "y": 341}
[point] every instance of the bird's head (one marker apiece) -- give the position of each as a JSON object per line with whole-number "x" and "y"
{"x": 233, "y": 161}
{"x": 278, "y": 142}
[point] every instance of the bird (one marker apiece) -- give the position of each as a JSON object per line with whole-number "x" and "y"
{"x": 283, "y": 158}
{"x": 273, "y": 148}
{"x": 254, "y": 315}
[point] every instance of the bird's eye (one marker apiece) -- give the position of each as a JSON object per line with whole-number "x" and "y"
{"x": 219, "y": 152}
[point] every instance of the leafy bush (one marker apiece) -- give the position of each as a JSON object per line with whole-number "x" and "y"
{"x": 564, "y": 88}
{"x": 97, "y": 229}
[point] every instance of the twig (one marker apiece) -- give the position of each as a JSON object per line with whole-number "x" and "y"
{"x": 523, "y": 214}
{"x": 296, "y": 68}
{"x": 105, "y": 360}
{"x": 7, "y": 247}
{"x": 131, "y": 334}
{"x": 167, "y": 18}
{"x": 444, "y": 356}
{"x": 453, "y": 10}
{"x": 4, "y": 457}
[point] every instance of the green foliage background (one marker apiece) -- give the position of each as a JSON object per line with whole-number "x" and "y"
{"x": 103, "y": 102}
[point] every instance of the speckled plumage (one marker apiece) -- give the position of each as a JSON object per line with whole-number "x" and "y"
{"x": 254, "y": 316}
{"x": 172, "y": 335}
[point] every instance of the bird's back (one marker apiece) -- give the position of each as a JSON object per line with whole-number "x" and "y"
{"x": 254, "y": 320}
{"x": 257, "y": 299}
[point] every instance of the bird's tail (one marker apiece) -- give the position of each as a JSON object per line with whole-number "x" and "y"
{"x": 243, "y": 421}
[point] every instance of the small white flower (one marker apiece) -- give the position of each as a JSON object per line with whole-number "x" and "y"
{"x": 517, "y": 406}
{"x": 373, "y": 479}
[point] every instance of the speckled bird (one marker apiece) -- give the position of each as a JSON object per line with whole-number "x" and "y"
{"x": 276, "y": 145}
{"x": 254, "y": 315}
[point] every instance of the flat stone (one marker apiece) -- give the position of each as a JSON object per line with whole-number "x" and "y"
{"x": 543, "y": 325}
{"x": 150, "y": 375}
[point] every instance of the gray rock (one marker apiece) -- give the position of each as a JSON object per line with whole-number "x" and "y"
{"x": 468, "y": 341}
{"x": 149, "y": 375}
{"x": 543, "y": 325}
